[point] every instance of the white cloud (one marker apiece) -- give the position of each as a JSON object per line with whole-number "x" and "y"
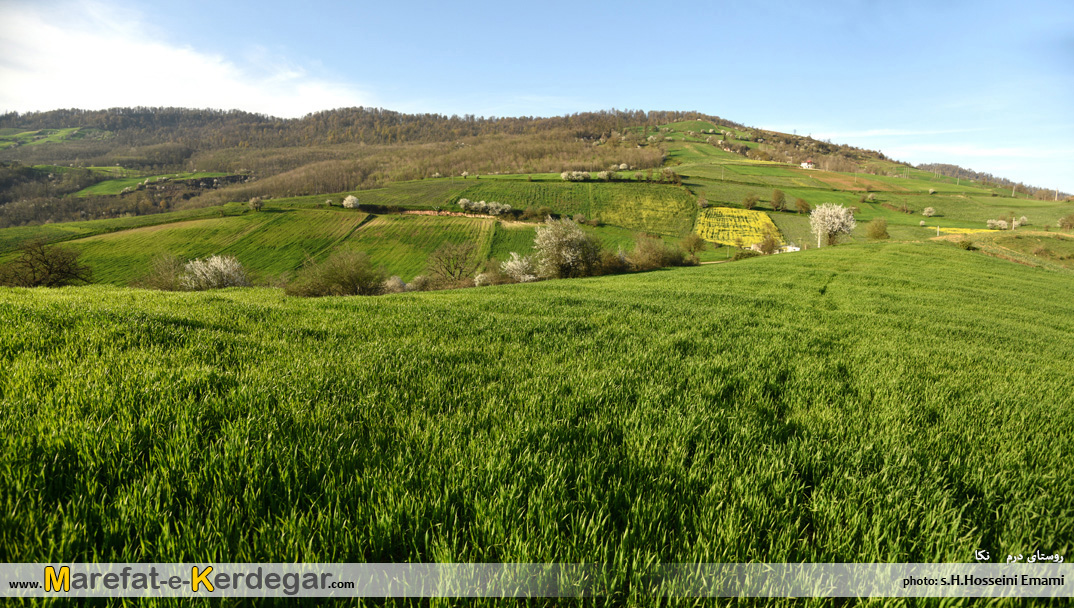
{"x": 96, "y": 57}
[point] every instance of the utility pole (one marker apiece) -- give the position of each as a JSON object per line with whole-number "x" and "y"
{"x": 1012, "y": 190}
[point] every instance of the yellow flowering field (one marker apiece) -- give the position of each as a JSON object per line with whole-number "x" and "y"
{"x": 722, "y": 225}
{"x": 964, "y": 230}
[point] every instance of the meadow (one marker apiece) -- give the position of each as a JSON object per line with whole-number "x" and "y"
{"x": 118, "y": 185}
{"x": 643, "y": 207}
{"x": 840, "y": 405}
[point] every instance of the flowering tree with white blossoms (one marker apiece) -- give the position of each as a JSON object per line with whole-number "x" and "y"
{"x": 214, "y": 272}
{"x": 565, "y": 250}
{"x": 829, "y": 220}
{"x": 351, "y": 202}
{"x": 519, "y": 268}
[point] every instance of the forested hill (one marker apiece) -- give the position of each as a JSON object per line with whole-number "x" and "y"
{"x": 205, "y": 129}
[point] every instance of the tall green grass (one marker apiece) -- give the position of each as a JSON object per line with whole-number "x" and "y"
{"x": 890, "y": 402}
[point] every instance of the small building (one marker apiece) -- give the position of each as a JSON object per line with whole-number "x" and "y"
{"x": 808, "y": 164}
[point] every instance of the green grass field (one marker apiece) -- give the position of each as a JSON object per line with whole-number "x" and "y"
{"x": 402, "y": 244}
{"x": 879, "y": 403}
{"x": 642, "y": 207}
{"x": 115, "y": 186}
{"x": 268, "y": 243}
{"x": 10, "y": 238}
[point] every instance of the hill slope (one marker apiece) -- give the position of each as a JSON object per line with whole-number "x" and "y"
{"x": 889, "y": 402}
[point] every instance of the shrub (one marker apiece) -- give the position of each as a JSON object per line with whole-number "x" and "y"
{"x": 606, "y": 176}
{"x": 42, "y": 265}
{"x": 769, "y": 244}
{"x": 828, "y": 221}
{"x": 928, "y": 212}
{"x": 1023, "y": 221}
{"x": 802, "y": 206}
{"x": 921, "y": 223}
{"x": 877, "y": 229}
{"x": 750, "y": 201}
{"x": 745, "y": 253}
{"x": 997, "y": 224}
{"x": 492, "y": 208}
{"x": 395, "y": 284}
{"x": 693, "y": 243}
{"x": 575, "y": 176}
{"x": 614, "y": 262}
{"x": 214, "y": 272}
{"x": 565, "y": 250}
{"x": 351, "y": 202}
{"x": 1067, "y": 222}
{"x": 1042, "y": 251}
{"x": 419, "y": 283}
{"x": 344, "y": 273}
{"x": 164, "y": 271}
{"x": 651, "y": 253}
{"x": 256, "y": 204}
{"x": 493, "y": 274}
{"x": 932, "y": 191}
{"x": 520, "y": 268}
{"x": 966, "y": 244}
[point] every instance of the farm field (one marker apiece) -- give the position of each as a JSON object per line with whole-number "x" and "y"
{"x": 402, "y": 244}
{"x": 420, "y": 193}
{"x": 13, "y": 137}
{"x": 724, "y": 225}
{"x": 10, "y": 238}
{"x": 115, "y": 186}
{"x": 267, "y": 243}
{"x": 838, "y": 405}
{"x": 643, "y": 207}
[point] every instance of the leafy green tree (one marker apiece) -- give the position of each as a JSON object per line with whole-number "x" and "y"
{"x": 779, "y": 200}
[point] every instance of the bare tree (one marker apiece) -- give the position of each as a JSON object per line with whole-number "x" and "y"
{"x": 450, "y": 261}
{"x": 42, "y": 265}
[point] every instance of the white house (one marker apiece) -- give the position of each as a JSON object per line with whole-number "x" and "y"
{"x": 808, "y": 164}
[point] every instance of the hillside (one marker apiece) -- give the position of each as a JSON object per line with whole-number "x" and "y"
{"x": 872, "y": 403}
{"x": 362, "y": 148}
{"x": 701, "y": 189}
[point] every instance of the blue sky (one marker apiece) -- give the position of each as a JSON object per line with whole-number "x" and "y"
{"x": 987, "y": 85}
